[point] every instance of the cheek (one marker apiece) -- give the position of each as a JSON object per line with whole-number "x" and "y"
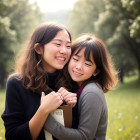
{"x": 69, "y": 53}
{"x": 70, "y": 65}
{"x": 89, "y": 71}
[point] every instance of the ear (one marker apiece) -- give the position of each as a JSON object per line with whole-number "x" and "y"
{"x": 96, "y": 72}
{"x": 37, "y": 48}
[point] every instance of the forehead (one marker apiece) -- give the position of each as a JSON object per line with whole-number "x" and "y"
{"x": 62, "y": 35}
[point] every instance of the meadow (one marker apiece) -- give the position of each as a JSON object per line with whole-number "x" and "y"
{"x": 124, "y": 111}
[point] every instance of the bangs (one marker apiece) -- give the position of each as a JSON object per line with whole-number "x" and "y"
{"x": 88, "y": 46}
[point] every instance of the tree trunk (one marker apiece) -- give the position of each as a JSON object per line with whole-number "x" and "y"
{"x": 3, "y": 75}
{"x": 121, "y": 75}
{"x": 139, "y": 70}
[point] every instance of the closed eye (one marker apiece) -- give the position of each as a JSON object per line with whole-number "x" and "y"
{"x": 75, "y": 59}
{"x": 58, "y": 44}
{"x": 87, "y": 64}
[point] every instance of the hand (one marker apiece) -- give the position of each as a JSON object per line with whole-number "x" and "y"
{"x": 68, "y": 97}
{"x": 50, "y": 102}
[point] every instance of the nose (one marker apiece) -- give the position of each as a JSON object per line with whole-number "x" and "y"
{"x": 63, "y": 50}
{"x": 79, "y": 66}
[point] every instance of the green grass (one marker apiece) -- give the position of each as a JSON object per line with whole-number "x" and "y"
{"x": 2, "y": 104}
{"x": 124, "y": 111}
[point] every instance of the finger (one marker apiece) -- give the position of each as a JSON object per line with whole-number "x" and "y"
{"x": 59, "y": 94}
{"x": 42, "y": 94}
{"x": 71, "y": 95}
{"x": 73, "y": 103}
{"x": 65, "y": 94}
{"x": 72, "y": 100}
{"x": 60, "y": 99}
{"x": 61, "y": 89}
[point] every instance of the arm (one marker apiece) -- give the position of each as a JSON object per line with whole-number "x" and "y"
{"x": 90, "y": 108}
{"x": 14, "y": 116}
{"x": 48, "y": 104}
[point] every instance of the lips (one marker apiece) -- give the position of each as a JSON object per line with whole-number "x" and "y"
{"x": 77, "y": 73}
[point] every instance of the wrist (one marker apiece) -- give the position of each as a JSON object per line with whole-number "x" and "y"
{"x": 43, "y": 111}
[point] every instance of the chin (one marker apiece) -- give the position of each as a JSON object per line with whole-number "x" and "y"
{"x": 60, "y": 68}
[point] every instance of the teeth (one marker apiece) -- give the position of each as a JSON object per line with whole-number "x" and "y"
{"x": 61, "y": 59}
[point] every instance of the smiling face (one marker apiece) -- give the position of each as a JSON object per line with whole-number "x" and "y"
{"x": 81, "y": 69}
{"x": 57, "y": 52}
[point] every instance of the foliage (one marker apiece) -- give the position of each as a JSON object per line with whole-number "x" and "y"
{"x": 83, "y": 16}
{"x": 133, "y": 12}
{"x": 116, "y": 35}
{"x": 17, "y": 19}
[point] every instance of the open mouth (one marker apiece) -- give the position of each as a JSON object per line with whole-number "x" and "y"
{"x": 61, "y": 58}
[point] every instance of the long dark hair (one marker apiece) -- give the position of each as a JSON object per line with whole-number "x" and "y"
{"x": 107, "y": 77}
{"x": 29, "y": 66}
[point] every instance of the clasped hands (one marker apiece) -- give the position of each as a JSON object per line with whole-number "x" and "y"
{"x": 68, "y": 97}
{"x": 53, "y": 100}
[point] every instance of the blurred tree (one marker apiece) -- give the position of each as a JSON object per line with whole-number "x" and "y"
{"x": 115, "y": 31}
{"x": 133, "y": 14}
{"x": 83, "y": 16}
{"x": 17, "y": 20}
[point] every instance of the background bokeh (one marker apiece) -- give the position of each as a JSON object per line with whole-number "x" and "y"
{"x": 116, "y": 22}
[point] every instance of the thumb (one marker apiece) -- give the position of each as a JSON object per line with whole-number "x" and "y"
{"x": 42, "y": 94}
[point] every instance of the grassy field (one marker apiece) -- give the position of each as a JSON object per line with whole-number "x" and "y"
{"x": 2, "y": 104}
{"x": 124, "y": 111}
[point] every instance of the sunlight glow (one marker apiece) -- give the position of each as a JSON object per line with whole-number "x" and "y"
{"x": 54, "y": 5}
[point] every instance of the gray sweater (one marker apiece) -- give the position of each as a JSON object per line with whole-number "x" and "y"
{"x": 93, "y": 117}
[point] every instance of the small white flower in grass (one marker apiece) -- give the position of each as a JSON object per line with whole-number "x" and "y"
{"x": 115, "y": 111}
{"x": 119, "y": 117}
{"x": 0, "y": 137}
{"x": 137, "y": 135}
{"x": 133, "y": 138}
{"x": 136, "y": 117}
{"x": 120, "y": 114}
{"x": 120, "y": 129}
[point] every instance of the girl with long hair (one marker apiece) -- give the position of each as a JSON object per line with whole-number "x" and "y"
{"x": 26, "y": 110}
{"x": 91, "y": 73}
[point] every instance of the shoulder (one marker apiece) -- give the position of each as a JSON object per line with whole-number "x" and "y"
{"x": 13, "y": 78}
{"x": 92, "y": 91}
{"x": 92, "y": 87}
{"x": 13, "y": 81}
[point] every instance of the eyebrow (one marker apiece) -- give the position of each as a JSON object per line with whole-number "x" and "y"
{"x": 61, "y": 40}
{"x": 85, "y": 59}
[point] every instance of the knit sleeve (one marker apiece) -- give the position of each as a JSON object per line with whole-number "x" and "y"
{"x": 90, "y": 109}
{"x": 14, "y": 114}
